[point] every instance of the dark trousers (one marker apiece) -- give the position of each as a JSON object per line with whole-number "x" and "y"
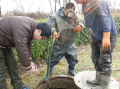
{"x": 103, "y": 60}
{"x": 70, "y": 53}
{"x": 7, "y": 58}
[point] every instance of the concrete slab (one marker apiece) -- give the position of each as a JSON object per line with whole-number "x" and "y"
{"x": 81, "y": 78}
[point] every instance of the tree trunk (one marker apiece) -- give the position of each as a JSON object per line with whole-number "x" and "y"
{"x": 22, "y": 8}
{"x": 69, "y": 1}
{"x": 64, "y": 2}
{"x": 0, "y": 11}
{"x": 59, "y": 3}
{"x": 0, "y": 8}
{"x": 55, "y": 6}
{"x": 50, "y": 5}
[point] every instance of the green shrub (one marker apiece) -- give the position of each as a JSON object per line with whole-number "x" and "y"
{"x": 41, "y": 20}
{"x": 40, "y": 49}
{"x": 117, "y": 22}
{"x": 81, "y": 39}
{"x": 16, "y": 56}
{"x": 116, "y": 17}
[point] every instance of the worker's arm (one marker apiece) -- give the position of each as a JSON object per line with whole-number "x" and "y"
{"x": 80, "y": 23}
{"x": 51, "y": 21}
{"x": 105, "y": 18}
{"x": 20, "y": 40}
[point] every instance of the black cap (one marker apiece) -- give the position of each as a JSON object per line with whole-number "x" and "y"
{"x": 45, "y": 28}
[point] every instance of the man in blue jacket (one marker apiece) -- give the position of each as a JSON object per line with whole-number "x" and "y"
{"x": 100, "y": 24}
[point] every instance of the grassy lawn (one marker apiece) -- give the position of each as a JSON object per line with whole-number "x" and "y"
{"x": 116, "y": 61}
{"x": 31, "y": 80}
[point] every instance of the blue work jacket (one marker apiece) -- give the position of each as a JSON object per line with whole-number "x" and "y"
{"x": 98, "y": 19}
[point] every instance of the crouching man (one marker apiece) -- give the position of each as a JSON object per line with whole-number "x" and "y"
{"x": 18, "y": 32}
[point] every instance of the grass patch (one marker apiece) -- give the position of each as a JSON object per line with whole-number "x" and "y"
{"x": 116, "y": 61}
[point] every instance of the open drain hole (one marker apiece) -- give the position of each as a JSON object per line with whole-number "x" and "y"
{"x": 57, "y": 88}
{"x": 58, "y": 83}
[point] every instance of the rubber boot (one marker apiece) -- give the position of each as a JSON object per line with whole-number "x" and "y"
{"x": 46, "y": 77}
{"x": 26, "y": 87}
{"x": 97, "y": 79}
{"x": 104, "y": 82}
{"x": 71, "y": 70}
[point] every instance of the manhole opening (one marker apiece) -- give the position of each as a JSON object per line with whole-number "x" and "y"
{"x": 58, "y": 83}
{"x": 57, "y": 88}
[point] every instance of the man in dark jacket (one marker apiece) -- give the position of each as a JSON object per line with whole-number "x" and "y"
{"x": 18, "y": 32}
{"x": 100, "y": 24}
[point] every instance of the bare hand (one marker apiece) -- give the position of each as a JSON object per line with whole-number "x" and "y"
{"x": 33, "y": 70}
{"x": 33, "y": 65}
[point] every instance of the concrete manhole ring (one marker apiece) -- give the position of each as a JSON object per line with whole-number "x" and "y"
{"x": 81, "y": 78}
{"x": 60, "y": 82}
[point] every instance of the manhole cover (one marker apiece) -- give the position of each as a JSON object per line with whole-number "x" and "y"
{"x": 61, "y": 82}
{"x": 81, "y": 78}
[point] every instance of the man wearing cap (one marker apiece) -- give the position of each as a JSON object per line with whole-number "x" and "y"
{"x": 18, "y": 32}
{"x": 71, "y": 22}
{"x": 100, "y": 24}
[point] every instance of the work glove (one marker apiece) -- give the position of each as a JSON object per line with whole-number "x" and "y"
{"x": 78, "y": 29}
{"x": 91, "y": 42}
{"x": 55, "y": 35}
{"x": 91, "y": 39}
{"x": 106, "y": 42}
{"x": 33, "y": 70}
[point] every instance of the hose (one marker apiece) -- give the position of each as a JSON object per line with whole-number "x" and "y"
{"x": 48, "y": 67}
